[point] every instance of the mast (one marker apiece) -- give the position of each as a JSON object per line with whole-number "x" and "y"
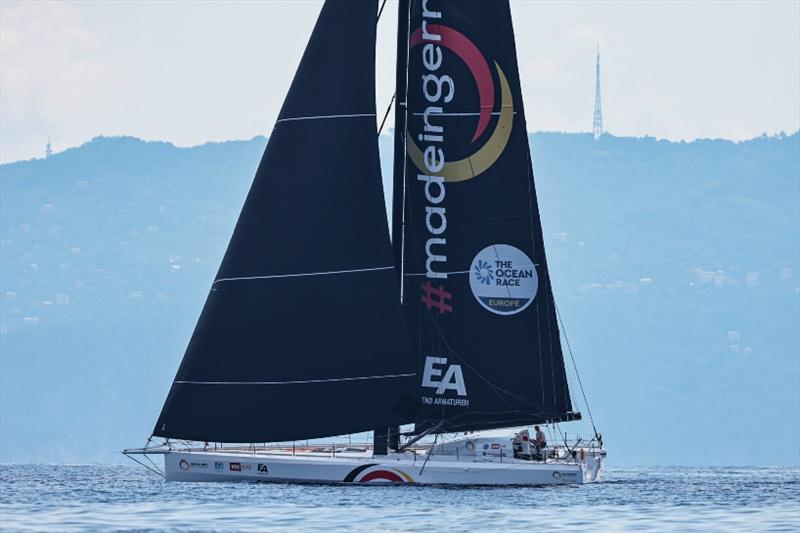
{"x": 385, "y": 439}
{"x": 403, "y": 14}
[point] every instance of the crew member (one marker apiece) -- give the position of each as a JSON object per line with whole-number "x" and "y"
{"x": 540, "y": 442}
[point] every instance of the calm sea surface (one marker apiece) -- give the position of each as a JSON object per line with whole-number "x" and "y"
{"x": 90, "y": 497}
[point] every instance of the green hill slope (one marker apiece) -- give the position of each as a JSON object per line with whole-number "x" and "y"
{"x": 675, "y": 268}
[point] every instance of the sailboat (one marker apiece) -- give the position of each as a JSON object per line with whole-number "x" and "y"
{"x": 321, "y": 322}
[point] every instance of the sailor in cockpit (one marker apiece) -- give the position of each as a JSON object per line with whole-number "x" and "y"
{"x": 540, "y": 443}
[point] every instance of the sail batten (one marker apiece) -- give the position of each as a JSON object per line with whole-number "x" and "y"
{"x": 296, "y": 381}
{"x": 321, "y": 117}
{"x": 301, "y": 274}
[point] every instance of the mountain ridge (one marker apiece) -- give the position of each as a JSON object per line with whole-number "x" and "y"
{"x": 674, "y": 264}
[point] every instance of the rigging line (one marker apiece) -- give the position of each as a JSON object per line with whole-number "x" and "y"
{"x": 428, "y": 455}
{"x": 575, "y": 366}
{"x": 550, "y": 342}
{"x": 562, "y": 366}
{"x": 561, "y": 434}
{"x": 494, "y": 388}
{"x": 443, "y": 342}
{"x": 154, "y": 465}
{"x": 380, "y": 11}
{"x": 147, "y": 467}
{"x": 388, "y": 109}
{"x": 416, "y": 439}
{"x": 405, "y": 153}
{"x": 531, "y": 197}
{"x": 549, "y": 433}
{"x": 570, "y": 380}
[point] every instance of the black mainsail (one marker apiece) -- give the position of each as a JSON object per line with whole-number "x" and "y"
{"x": 302, "y": 333}
{"x": 476, "y": 289}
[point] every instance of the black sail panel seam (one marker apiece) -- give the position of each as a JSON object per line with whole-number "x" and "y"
{"x": 295, "y": 382}
{"x": 302, "y": 274}
{"x": 321, "y": 117}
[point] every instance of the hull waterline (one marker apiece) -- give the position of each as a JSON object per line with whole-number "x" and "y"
{"x": 393, "y": 468}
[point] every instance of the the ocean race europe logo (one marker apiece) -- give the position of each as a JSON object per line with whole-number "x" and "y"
{"x": 503, "y": 279}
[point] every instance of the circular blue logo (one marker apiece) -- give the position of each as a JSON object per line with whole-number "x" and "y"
{"x": 503, "y": 279}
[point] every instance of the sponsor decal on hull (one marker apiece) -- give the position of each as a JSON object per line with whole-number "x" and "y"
{"x": 186, "y": 465}
{"x": 376, "y": 473}
{"x": 568, "y": 476}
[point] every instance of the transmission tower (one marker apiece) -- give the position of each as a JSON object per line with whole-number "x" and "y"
{"x": 597, "y": 123}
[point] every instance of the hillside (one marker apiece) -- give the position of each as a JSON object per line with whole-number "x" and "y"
{"x": 675, "y": 267}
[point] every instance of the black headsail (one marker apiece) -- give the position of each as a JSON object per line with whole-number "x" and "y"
{"x": 476, "y": 289}
{"x": 301, "y": 335}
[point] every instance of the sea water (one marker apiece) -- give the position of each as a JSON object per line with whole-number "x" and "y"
{"x": 94, "y": 497}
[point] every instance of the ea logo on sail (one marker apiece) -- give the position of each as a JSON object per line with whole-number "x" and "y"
{"x": 453, "y": 379}
{"x": 503, "y": 279}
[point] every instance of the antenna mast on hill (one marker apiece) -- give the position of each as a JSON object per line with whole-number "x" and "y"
{"x": 597, "y": 123}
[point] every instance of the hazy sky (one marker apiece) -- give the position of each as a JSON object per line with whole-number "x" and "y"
{"x": 200, "y": 71}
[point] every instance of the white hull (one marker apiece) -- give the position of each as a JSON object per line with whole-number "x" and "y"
{"x": 393, "y": 468}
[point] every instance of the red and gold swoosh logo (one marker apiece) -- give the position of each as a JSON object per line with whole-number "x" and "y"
{"x": 482, "y": 159}
{"x": 366, "y": 473}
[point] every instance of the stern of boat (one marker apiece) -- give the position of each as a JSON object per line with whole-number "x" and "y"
{"x": 592, "y": 465}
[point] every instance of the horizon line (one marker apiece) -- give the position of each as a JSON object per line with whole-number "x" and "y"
{"x": 389, "y": 133}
